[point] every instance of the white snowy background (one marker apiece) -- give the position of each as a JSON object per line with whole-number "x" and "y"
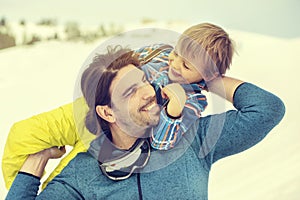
{"x": 38, "y": 78}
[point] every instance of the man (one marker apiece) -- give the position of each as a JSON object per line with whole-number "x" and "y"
{"x": 126, "y": 113}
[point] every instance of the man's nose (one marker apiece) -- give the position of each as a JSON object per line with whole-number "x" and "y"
{"x": 147, "y": 91}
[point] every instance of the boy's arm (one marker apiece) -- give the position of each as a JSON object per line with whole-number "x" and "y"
{"x": 166, "y": 134}
{"x": 53, "y": 128}
{"x": 170, "y": 130}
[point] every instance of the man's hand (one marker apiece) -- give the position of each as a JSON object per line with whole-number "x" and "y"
{"x": 177, "y": 97}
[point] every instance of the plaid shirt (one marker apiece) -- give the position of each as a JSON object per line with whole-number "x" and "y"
{"x": 170, "y": 130}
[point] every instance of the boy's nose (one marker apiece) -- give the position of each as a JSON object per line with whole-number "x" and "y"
{"x": 174, "y": 66}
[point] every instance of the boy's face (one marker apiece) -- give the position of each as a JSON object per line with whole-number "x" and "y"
{"x": 181, "y": 70}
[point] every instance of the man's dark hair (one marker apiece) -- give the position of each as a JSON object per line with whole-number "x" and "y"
{"x": 96, "y": 81}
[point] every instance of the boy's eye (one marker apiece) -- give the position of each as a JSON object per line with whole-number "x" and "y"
{"x": 175, "y": 53}
{"x": 185, "y": 66}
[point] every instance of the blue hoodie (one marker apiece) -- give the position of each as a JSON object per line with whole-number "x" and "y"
{"x": 179, "y": 173}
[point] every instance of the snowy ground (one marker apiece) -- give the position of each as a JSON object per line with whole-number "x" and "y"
{"x": 38, "y": 78}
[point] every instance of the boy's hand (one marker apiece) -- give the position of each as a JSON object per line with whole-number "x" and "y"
{"x": 177, "y": 97}
{"x": 55, "y": 152}
{"x": 35, "y": 163}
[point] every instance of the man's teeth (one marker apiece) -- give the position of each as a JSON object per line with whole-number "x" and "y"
{"x": 149, "y": 107}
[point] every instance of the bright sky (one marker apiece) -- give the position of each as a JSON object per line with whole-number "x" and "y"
{"x": 273, "y": 17}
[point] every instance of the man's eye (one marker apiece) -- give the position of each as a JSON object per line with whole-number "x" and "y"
{"x": 144, "y": 80}
{"x": 130, "y": 92}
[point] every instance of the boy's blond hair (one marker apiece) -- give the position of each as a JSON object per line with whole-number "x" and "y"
{"x": 210, "y": 39}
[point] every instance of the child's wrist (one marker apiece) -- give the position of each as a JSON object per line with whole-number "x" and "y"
{"x": 173, "y": 112}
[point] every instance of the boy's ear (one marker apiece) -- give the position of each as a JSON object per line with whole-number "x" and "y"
{"x": 106, "y": 113}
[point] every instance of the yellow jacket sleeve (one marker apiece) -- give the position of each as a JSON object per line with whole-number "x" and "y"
{"x": 54, "y": 128}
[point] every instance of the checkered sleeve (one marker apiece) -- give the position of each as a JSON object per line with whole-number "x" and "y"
{"x": 169, "y": 130}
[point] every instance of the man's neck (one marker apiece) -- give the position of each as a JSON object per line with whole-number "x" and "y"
{"x": 122, "y": 139}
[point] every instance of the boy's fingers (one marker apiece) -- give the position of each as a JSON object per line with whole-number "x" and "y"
{"x": 175, "y": 90}
{"x": 57, "y": 152}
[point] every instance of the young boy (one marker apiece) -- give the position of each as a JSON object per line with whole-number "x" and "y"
{"x": 211, "y": 57}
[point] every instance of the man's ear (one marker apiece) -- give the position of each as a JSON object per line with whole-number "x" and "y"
{"x": 106, "y": 113}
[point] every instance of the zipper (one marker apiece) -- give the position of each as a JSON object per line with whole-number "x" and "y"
{"x": 139, "y": 186}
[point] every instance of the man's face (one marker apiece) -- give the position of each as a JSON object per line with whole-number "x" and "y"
{"x": 133, "y": 101}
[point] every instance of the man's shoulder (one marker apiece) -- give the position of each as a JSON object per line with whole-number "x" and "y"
{"x": 82, "y": 168}
{"x": 84, "y": 158}
{"x": 81, "y": 162}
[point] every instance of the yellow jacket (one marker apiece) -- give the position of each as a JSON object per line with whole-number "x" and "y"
{"x": 58, "y": 127}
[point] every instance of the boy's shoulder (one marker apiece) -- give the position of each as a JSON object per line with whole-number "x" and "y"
{"x": 161, "y": 57}
{"x": 149, "y": 48}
